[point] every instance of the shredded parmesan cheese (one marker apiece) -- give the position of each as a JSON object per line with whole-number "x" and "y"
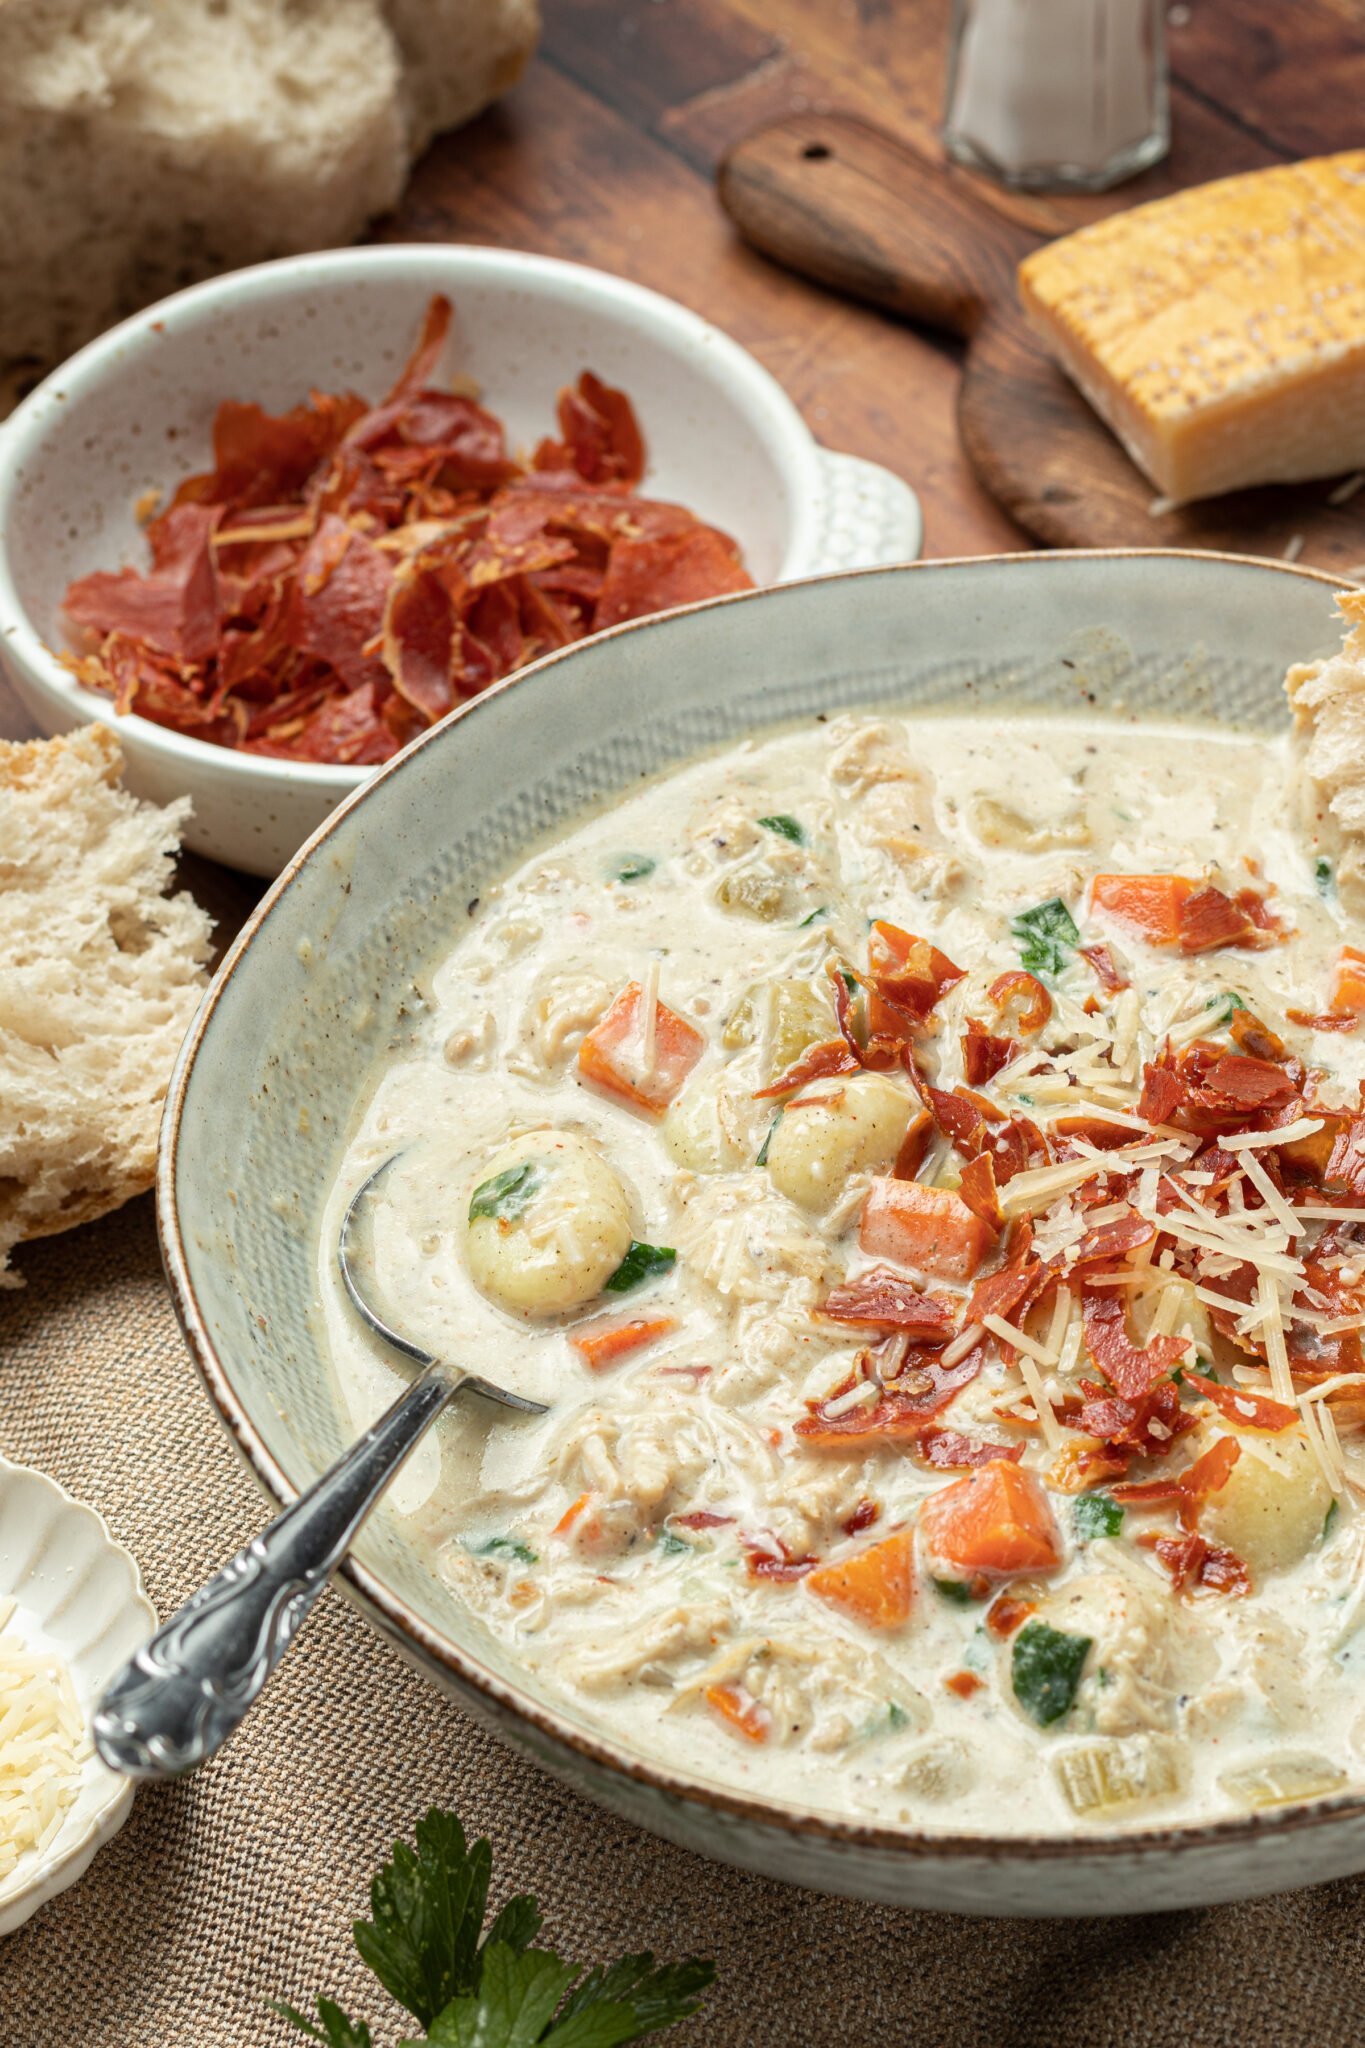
{"x": 42, "y": 1745}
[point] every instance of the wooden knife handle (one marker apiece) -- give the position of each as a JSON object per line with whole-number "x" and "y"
{"x": 844, "y": 203}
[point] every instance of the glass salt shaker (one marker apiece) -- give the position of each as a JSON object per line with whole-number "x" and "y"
{"x": 1057, "y": 94}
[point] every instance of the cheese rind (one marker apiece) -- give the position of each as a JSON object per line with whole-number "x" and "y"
{"x": 1221, "y": 332}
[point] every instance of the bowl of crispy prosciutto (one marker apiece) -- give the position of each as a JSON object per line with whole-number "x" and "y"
{"x": 282, "y": 523}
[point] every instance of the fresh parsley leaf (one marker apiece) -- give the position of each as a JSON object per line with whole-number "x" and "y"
{"x": 671, "y": 1544}
{"x": 428, "y": 1908}
{"x": 642, "y": 1262}
{"x": 956, "y": 1590}
{"x": 1226, "y": 1005}
{"x": 634, "y": 867}
{"x": 505, "y": 1546}
{"x": 850, "y": 981}
{"x": 762, "y": 1158}
{"x": 1322, "y": 875}
{"x": 513, "y": 2006}
{"x": 1046, "y": 934}
{"x": 423, "y": 1945}
{"x": 1095, "y": 1514}
{"x": 1046, "y": 1667}
{"x": 507, "y": 1194}
{"x": 820, "y": 912}
{"x": 334, "y": 2028}
{"x": 1329, "y": 1519}
{"x": 896, "y": 1717}
{"x": 789, "y": 827}
{"x": 657, "y": 1996}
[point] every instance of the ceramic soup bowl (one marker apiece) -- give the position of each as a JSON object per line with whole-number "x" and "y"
{"x": 319, "y": 990}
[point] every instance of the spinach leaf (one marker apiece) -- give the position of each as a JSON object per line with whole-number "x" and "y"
{"x": 673, "y": 1545}
{"x": 1095, "y": 1514}
{"x": 508, "y": 1194}
{"x": 789, "y": 827}
{"x": 1322, "y": 875}
{"x": 1046, "y": 1667}
{"x": 633, "y": 867}
{"x": 762, "y": 1158}
{"x": 1046, "y": 935}
{"x": 1329, "y": 1519}
{"x": 505, "y": 1546}
{"x": 642, "y": 1262}
{"x": 956, "y": 1590}
{"x": 820, "y": 912}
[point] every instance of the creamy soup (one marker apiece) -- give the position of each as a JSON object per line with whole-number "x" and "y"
{"x": 918, "y": 1162}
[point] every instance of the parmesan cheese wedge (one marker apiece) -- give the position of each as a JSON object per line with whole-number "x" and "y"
{"x": 1220, "y": 332}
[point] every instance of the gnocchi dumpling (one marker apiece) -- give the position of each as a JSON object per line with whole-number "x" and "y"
{"x": 548, "y": 1224}
{"x": 709, "y": 1128}
{"x": 840, "y": 1127}
{"x": 1272, "y": 1506}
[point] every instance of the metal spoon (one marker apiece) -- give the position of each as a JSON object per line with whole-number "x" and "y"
{"x": 178, "y": 1700}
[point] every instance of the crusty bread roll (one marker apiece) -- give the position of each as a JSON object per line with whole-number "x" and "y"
{"x": 146, "y": 143}
{"x": 100, "y": 973}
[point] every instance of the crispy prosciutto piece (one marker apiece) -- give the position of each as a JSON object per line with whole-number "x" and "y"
{"x": 1194, "y": 1562}
{"x": 908, "y": 972}
{"x": 1109, "y": 1241}
{"x": 1146, "y": 1425}
{"x": 1025, "y": 994}
{"x": 768, "y": 1557}
{"x": 978, "y": 1190}
{"x": 174, "y": 607}
{"x": 1106, "y": 973}
{"x": 1130, "y": 1369}
{"x": 817, "y": 1063}
{"x": 643, "y": 1061}
{"x": 983, "y": 1053}
{"x": 1190, "y": 1488}
{"x": 1209, "y": 920}
{"x": 346, "y": 574}
{"x": 1346, "y": 1161}
{"x": 883, "y": 1300}
{"x": 948, "y": 1450}
{"x": 1245, "y": 1410}
{"x": 900, "y": 1413}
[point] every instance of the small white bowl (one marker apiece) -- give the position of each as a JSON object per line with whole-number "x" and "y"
{"x": 134, "y": 410}
{"x": 81, "y": 1594}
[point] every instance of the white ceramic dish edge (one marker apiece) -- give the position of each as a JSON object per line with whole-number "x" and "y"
{"x": 80, "y": 1593}
{"x": 253, "y": 812}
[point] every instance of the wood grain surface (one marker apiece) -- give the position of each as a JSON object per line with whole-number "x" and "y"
{"x": 850, "y": 206}
{"x": 608, "y": 149}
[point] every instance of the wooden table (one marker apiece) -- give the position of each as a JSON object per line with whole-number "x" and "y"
{"x": 607, "y": 150}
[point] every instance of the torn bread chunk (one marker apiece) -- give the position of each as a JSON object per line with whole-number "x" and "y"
{"x": 102, "y": 974}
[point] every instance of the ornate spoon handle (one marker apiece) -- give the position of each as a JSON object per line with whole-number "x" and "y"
{"x": 177, "y": 1701}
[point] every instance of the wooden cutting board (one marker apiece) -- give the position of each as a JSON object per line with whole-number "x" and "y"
{"x": 848, "y": 205}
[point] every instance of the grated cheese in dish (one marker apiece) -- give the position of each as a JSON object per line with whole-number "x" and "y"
{"x": 43, "y": 1744}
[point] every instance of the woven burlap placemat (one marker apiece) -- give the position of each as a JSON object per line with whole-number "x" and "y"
{"x": 241, "y": 1883}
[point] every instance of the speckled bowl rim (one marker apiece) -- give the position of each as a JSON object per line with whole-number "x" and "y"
{"x": 758, "y": 394}
{"x": 460, "y": 1668}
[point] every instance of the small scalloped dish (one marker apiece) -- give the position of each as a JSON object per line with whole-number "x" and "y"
{"x": 78, "y": 1593}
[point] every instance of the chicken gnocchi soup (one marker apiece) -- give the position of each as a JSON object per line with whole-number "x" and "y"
{"x": 921, "y": 1162}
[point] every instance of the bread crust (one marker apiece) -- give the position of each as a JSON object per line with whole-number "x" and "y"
{"x": 148, "y": 143}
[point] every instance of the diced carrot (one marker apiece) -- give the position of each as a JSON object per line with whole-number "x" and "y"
{"x": 603, "y": 1343}
{"x": 616, "y": 1056}
{"x": 995, "y": 1520}
{"x": 740, "y": 1711}
{"x": 570, "y": 1515}
{"x": 931, "y": 1229}
{"x": 1348, "y": 984}
{"x": 1147, "y": 904}
{"x": 876, "y": 1585}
